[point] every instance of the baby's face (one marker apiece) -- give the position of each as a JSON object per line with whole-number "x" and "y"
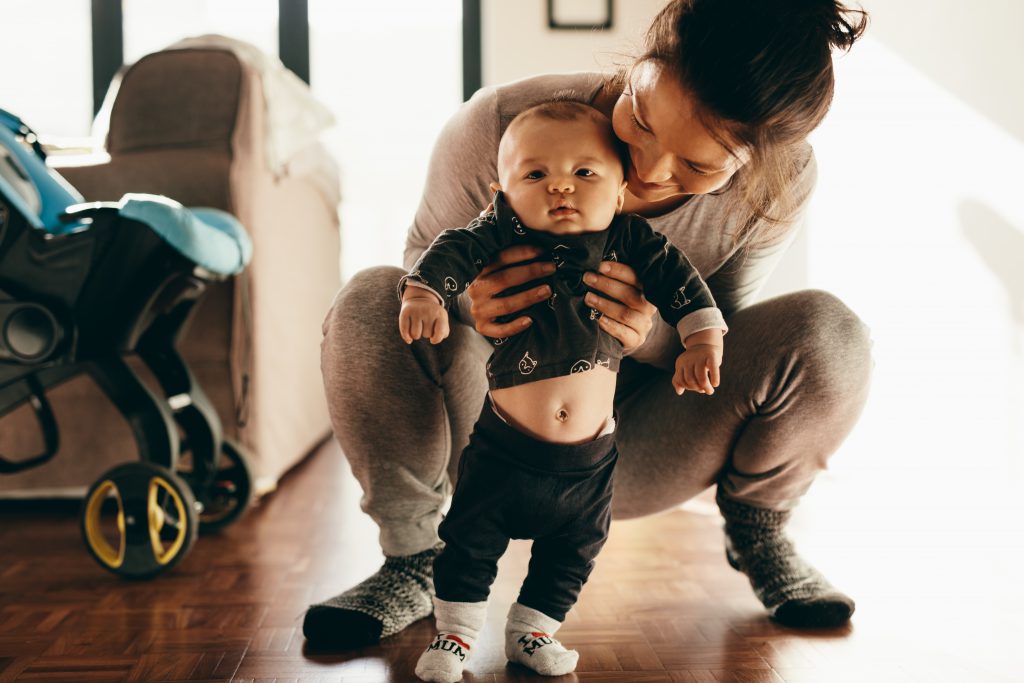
{"x": 561, "y": 176}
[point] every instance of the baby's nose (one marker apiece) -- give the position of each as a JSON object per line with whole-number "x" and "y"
{"x": 562, "y": 185}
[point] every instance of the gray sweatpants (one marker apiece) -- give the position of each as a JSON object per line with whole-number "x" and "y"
{"x": 794, "y": 381}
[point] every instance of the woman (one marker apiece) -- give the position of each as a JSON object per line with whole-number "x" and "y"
{"x": 715, "y": 115}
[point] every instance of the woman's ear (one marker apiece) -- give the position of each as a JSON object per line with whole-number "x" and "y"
{"x": 495, "y": 187}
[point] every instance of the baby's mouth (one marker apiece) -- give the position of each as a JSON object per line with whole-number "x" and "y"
{"x": 563, "y": 209}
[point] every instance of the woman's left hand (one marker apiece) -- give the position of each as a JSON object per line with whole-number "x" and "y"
{"x": 631, "y": 321}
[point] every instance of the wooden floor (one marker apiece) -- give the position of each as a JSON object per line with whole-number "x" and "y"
{"x": 662, "y": 605}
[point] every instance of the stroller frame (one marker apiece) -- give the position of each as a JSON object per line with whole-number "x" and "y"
{"x": 81, "y": 295}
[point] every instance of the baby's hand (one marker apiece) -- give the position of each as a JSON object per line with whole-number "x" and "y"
{"x": 697, "y": 369}
{"x": 423, "y": 318}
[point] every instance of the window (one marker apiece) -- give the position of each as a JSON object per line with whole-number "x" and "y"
{"x": 47, "y": 56}
{"x": 392, "y": 74}
{"x": 151, "y": 25}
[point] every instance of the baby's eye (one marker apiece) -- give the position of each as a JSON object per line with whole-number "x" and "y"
{"x": 535, "y": 175}
{"x": 585, "y": 173}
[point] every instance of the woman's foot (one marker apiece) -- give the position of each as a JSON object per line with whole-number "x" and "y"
{"x": 794, "y": 592}
{"x": 530, "y": 641}
{"x": 382, "y": 605}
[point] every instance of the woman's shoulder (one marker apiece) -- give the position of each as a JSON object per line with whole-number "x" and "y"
{"x": 491, "y": 108}
{"x": 507, "y": 100}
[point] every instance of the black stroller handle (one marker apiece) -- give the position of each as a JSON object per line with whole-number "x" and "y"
{"x": 51, "y": 437}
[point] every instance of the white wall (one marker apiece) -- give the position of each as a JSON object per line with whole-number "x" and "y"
{"x": 972, "y": 49}
{"x": 517, "y": 42}
{"x": 918, "y": 225}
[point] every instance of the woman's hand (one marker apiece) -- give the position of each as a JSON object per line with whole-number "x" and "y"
{"x": 486, "y": 307}
{"x": 631, "y": 321}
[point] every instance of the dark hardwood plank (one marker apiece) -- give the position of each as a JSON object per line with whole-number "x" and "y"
{"x": 661, "y": 607}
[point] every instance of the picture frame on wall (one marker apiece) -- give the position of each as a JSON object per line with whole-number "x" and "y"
{"x": 576, "y": 15}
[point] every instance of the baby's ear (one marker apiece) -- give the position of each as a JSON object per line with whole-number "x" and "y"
{"x": 495, "y": 187}
{"x": 622, "y": 197}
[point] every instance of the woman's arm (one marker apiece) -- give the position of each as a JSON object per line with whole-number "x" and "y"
{"x": 736, "y": 284}
{"x": 462, "y": 164}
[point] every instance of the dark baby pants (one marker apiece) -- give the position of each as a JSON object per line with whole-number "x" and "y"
{"x": 511, "y": 485}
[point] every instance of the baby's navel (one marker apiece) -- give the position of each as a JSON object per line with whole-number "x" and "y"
{"x": 562, "y": 415}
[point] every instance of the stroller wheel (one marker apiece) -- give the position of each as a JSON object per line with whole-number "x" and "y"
{"x": 231, "y": 492}
{"x": 139, "y": 519}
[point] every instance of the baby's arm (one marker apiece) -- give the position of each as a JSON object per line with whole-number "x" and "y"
{"x": 697, "y": 366}
{"x": 672, "y": 284}
{"x": 422, "y": 316}
{"x": 440, "y": 274}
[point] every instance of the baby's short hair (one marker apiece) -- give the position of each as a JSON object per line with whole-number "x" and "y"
{"x": 568, "y": 108}
{"x": 564, "y": 109}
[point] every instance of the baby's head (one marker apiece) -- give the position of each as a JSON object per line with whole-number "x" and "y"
{"x": 560, "y": 169}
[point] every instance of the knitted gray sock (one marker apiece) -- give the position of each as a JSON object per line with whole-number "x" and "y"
{"x": 382, "y": 605}
{"x": 794, "y": 592}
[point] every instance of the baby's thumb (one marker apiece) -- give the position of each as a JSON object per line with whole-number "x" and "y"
{"x": 677, "y": 383}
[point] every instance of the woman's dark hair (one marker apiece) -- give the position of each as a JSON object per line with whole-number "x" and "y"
{"x": 762, "y": 76}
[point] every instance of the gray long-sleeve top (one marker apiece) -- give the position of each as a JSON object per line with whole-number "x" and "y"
{"x": 464, "y": 162}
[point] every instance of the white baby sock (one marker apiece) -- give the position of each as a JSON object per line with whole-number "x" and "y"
{"x": 529, "y": 641}
{"x": 458, "y": 624}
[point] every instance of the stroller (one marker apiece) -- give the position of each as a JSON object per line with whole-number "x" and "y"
{"x": 82, "y": 286}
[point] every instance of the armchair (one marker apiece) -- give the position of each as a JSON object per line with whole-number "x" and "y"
{"x": 190, "y": 124}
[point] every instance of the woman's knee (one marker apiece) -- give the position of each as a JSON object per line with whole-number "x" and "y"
{"x": 369, "y": 298}
{"x": 361, "y": 337}
{"x": 831, "y": 325}
{"x": 361, "y": 327}
{"x": 829, "y": 339}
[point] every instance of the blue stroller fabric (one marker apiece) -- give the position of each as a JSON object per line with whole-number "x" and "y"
{"x": 213, "y": 239}
{"x": 44, "y": 195}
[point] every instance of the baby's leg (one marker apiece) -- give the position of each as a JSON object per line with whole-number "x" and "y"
{"x": 559, "y": 566}
{"x": 530, "y": 641}
{"x": 474, "y": 542}
{"x": 458, "y": 624}
{"x": 463, "y": 574}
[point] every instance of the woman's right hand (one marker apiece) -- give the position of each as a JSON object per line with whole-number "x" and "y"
{"x": 486, "y": 306}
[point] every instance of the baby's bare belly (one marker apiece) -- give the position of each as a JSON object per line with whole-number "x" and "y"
{"x": 568, "y": 409}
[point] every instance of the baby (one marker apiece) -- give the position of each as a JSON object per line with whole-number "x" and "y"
{"x": 540, "y": 459}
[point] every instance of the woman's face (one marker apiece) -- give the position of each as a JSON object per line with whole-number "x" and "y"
{"x": 672, "y": 152}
